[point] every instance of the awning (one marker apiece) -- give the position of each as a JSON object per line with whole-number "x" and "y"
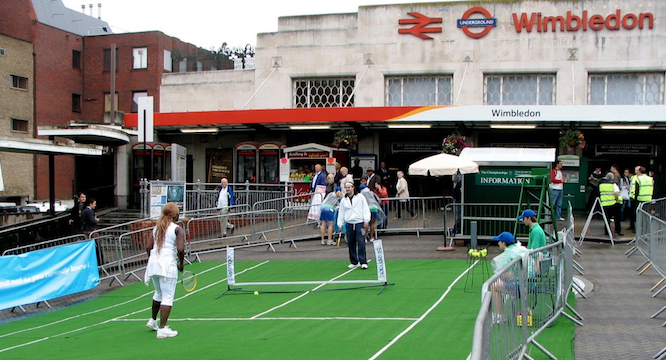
{"x": 46, "y": 147}
{"x": 105, "y": 135}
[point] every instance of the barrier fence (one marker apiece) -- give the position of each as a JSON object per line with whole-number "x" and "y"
{"x": 524, "y": 298}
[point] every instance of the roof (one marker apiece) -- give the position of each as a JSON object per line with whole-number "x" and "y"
{"x": 497, "y": 156}
{"x": 54, "y": 13}
{"x": 89, "y": 134}
{"x": 46, "y": 147}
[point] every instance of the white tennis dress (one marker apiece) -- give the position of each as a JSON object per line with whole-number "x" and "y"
{"x": 165, "y": 262}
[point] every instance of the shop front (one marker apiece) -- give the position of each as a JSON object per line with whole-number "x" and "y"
{"x": 298, "y": 164}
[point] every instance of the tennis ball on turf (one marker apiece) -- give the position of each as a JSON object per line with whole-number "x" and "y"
{"x": 470, "y": 252}
{"x": 484, "y": 252}
{"x": 256, "y": 292}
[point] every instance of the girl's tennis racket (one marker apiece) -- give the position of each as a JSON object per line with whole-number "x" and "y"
{"x": 188, "y": 280}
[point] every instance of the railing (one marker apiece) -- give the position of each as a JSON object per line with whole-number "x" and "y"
{"x": 202, "y": 195}
{"x": 522, "y": 299}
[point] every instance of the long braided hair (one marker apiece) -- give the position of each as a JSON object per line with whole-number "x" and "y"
{"x": 169, "y": 213}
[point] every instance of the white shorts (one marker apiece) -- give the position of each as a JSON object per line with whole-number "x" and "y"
{"x": 165, "y": 290}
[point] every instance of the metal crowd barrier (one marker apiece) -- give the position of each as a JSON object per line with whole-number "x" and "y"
{"x": 205, "y": 235}
{"x": 523, "y": 299}
{"x": 202, "y": 195}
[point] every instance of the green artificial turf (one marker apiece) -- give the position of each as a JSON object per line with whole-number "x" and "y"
{"x": 349, "y": 324}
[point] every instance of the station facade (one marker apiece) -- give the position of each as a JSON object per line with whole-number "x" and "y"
{"x": 509, "y": 74}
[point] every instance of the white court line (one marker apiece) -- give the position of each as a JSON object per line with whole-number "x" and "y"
{"x": 95, "y": 311}
{"x": 122, "y": 316}
{"x": 284, "y": 318}
{"x": 410, "y": 327}
{"x": 303, "y": 294}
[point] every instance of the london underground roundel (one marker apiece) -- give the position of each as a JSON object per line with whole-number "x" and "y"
{"x": 487, "y": 22}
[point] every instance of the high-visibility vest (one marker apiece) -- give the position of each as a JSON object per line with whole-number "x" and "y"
{"x": 632, "y": 187}
{"x": 645, "y": 188}
{"x": 606, "y": 194}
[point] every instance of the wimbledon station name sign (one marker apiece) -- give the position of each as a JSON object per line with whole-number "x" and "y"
{"x": 571, "y": 22}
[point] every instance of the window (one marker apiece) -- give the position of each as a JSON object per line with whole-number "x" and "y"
{"x": 19, "y": 82}
{"x": 76, "y": 102}
{"x": 626, "y": 89}
{"x": 324, "y": 92}
{"x": 419, "y": 90}
{"x": 107, "y": 102}
{"x": 140, "y": 58}
{"x": 76, "y": 59}
{"x": 20, "y": 125}
{"x": 168, "y": 62}
{"x": 135, "y": 99}
{"x": 107, "y": 59}
{"x": 182, "y": 65}
{"x": 519, "y": 89}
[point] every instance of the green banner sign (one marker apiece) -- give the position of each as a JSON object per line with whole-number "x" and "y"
{"x": 501, "y": 177}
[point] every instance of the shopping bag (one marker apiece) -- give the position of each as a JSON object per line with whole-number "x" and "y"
{"x": 315, "y": 207}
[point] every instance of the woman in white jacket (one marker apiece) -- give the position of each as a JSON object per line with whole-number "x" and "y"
{"x": 354, "y": 213}
{"x": 402, "y": 192}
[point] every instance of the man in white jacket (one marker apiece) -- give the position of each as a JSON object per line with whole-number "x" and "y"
{"x": 354, "y": 213}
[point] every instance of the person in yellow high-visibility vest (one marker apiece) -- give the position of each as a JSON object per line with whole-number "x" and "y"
{"x": 609, "y": 195}
{"x": 641, "y": 190}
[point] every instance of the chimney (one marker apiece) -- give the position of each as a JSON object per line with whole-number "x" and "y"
{"x": 90, "y": 5}
{"x": 83, "y": 8}
{"x": 99, "y": 11}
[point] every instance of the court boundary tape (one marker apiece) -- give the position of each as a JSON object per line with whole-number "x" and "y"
{"x": 410, "y": 327}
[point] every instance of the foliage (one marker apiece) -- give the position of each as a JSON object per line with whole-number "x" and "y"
{"x": 454, "y": 143}
{"x": 345, "y": 139}
{"x": 572, "y": 138}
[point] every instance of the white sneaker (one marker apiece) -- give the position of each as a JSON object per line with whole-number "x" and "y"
{"x": 364, "y": 266}
{"x": 372, "y": 240}
{"x": 561, "y": 219}
{"x": 166, "y": 332}
{"x": 498, "y": 318}
{"x": 352, "y": 266}
{"x": 152, "y": 324}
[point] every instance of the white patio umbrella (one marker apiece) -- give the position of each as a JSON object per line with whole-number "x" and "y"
{"x": 443, "y": 164}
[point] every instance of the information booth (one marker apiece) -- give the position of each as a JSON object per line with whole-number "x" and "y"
{"x": 297, "y": 165}
{"x": 574, "y": 171}
{"x": 490, "y": 196}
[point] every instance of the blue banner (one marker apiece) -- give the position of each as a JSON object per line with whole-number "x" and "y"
{"x": 47, "y": 274}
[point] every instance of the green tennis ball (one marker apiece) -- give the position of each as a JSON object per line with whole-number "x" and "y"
{"x": 256, "y": 292}
{"x": 484, "y": 252}
{"x": 470, "y": 252}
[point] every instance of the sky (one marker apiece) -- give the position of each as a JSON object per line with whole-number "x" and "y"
{"x": 209, "y": 23}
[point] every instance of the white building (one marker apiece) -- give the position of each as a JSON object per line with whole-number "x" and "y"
{"x": 550, "y": 65}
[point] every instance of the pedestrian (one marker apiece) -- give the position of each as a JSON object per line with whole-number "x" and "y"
{"x": 318, "y": 179}
{"x": 75, "y": 213}
{"x": 593, "y": 187}
{"x": 641, "y": 190}
{"x": 557, "y": 190}
{"x": 166, "y": 252}
{"x": 338, "y": 174}
{"x": 330, "y": 183}
{"x": 625, "y": 189}
{"x": 373, "y": 205}
{"x": 371, "y": 178}
{"x": 402, "y": 192}
{"x": 225, "y": 201}
{"x": 537, "y": 236}
{"x": 354, "y": 214}
{"x": 327, "y": 215}
{"x": 456, "y": 193}
{"x": 382, "y": 194}
{"x": 346, "y": 177}
{"x": 609, "y": 195}
{"x": 88, "y": 218}
{"x": 384, "y": 175}
{"x": 357, "y": 170}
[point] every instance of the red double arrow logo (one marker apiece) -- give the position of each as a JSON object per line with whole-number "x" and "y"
{"x": 420, "y": 22}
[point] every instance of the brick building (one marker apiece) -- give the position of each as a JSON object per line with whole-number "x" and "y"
{"x": 72, "y": 85}
{"x": 16, "y": 116}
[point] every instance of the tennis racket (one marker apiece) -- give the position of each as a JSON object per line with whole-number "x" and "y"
{"x": 188, "y": 280}
{"x": 339, "y": 238}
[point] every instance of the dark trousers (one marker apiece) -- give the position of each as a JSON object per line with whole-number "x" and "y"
{"x": 407, "y": 204}
{"x": 356, "y": 243}
{"x": 632, "y": 215}
{"x": 614, "y": 213}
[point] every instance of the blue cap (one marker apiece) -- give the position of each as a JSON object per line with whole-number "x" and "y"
{"x": 527, "y": 213}
{"x": 362, "y": 186}
{"x": 337, "y": 188}
{"x": 505, "y": 237}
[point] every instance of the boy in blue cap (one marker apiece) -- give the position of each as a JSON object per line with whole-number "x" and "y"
{"x": 537, "y": 236}
{"x": 510, "y": 250}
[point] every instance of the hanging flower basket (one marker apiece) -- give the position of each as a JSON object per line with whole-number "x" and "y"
{"x": 345, "y": 139}
{"x": 572, "y": 138}
{"x": 454, "y": 143}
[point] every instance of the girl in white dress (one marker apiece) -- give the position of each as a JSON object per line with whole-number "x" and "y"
{"x": 166, "y": 251}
